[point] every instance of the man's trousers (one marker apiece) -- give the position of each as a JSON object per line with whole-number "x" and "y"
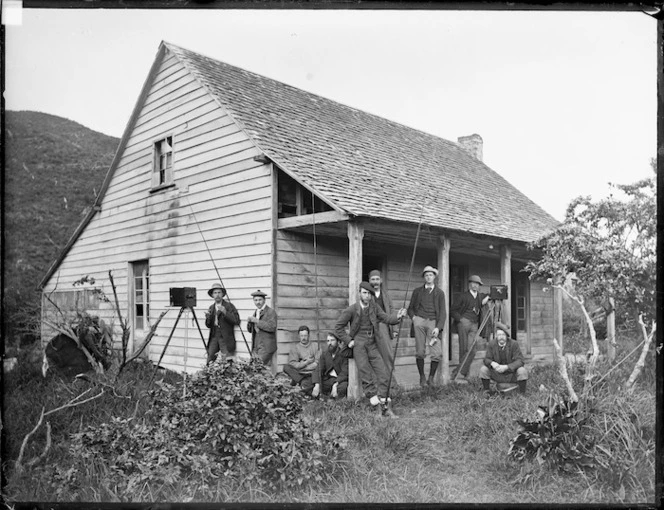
{"x": 372, "y": 369}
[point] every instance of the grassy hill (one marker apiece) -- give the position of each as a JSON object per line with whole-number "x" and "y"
{"x": 53, "y": 169}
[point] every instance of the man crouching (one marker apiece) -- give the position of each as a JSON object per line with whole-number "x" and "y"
{"x": 503, "y": 361}
{"x": 331, "y": 378}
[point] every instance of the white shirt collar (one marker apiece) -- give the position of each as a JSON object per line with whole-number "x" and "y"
{"x": 474, "y": 294}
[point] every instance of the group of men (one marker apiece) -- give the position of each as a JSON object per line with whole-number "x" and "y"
{"x": 364, "y": 332}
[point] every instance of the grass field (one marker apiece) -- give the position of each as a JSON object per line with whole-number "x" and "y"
{"x": 448, "y": 445}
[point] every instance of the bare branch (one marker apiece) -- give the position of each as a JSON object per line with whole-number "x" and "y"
{"x": 148, "y": 337}
{"x": 47, "y": 447}
{"x": 28, "y": 436}
{"x": 647, "y": 340}
{"x": 71, "y": 404}
{"x": 67, "y": 331}
{"x": 123, "y": 323}
{"x": 562, "y": 367}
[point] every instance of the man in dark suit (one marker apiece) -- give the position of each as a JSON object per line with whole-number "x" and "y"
{"x": 466, "y": 312}
{"x": 263, "y": 328}
{"x": 221, "y": 318}
{"x": 503, "y": 361}
{"x": 427, "y": 310}
{"x": 331, "y": 378}
{"x": 364, "y": 317}
{"x": 384, "y": 331}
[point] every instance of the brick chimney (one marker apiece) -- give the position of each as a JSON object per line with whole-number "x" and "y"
{"x": 472, "y": 144}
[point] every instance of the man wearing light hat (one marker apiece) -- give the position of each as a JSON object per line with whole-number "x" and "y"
{"x": 263, "y": 328}
{"x": 503, "y": 361}
{"x": 221, "y": 317}
{"x": 427, "y": 310}
{"x": 364, "y": 317}
{"x": 466, "y": 312}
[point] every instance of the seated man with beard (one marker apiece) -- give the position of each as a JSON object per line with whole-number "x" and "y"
{"x": 331, "y": 378}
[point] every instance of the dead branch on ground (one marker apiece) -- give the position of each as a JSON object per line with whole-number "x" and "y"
{"x": 145, "y": 343}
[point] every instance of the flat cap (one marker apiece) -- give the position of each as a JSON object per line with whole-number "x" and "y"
{"x": 367, "y": 286}
{"x": 430, "y": 269}
{"x": 258, "y": 293}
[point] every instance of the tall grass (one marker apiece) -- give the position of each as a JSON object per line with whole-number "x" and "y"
{"x": 448, "y": 445}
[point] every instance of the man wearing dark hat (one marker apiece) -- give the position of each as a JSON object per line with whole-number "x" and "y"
{"x": 221, "y": 318}
{"x": 263, "y": 328}
{"x": 384, "y": 331}
{"x": 503, "y": 361}
{"x": 303, "y": 361}
{"x": 364, "y": 317}
{"x": 427, "y": 310}
{"x": 331, "y": 378}
{"x": 466, "y": 312}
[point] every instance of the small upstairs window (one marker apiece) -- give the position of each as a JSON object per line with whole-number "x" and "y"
{"x": 162, "y": 171}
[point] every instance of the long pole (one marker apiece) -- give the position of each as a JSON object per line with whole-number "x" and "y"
{"x": 218, "y": 275}
{"x": 410, "y": 272}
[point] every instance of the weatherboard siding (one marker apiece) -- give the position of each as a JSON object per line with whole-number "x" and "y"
{"x": 221, "y": 197}
{"x": 296, "y": 269}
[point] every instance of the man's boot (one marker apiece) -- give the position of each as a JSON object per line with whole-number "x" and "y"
{"x": 420, "y": 369}
{"x": 522, "y": 386}
{"x": 432, "y": 372}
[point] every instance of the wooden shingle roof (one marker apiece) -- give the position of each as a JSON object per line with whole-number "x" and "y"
{"x": 365, "y": 164}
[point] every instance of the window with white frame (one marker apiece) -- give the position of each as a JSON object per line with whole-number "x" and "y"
{"x": 162, "y": 174}
{"x": 140, "y": 295}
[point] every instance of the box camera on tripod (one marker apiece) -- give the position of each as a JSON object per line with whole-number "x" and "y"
{"x": 498, "y": 292}
{"x": 183, "y": 296}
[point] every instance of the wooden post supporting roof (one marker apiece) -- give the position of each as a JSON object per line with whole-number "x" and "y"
{"x": 506, "y": 279}
{"x": 444, "y": 283}
{"x": 355, "y": 236}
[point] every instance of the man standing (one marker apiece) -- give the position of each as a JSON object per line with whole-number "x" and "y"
{"x": 263, "y": 328}
{"x": 503, "y": 361}
{"x": 302, "y": 361}
{"x": 221, "y": 318}
{"x": 364, "y": 317}
{"x": 332, "y": 374}
{"x": 427, "y": 310}
{"x": 466, "y": 311}
{"x": 384, "y": 331}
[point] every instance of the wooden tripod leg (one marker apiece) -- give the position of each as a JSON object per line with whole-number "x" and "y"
{"x": 166, "y": 346}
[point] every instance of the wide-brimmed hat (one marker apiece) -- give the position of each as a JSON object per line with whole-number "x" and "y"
{"x": 375, "y": 272}
{"x": 367, "y": 286}
{"x": 259, "y": 293}
{"x": 430, "y": 269}
{"x": 476, "y": 279}
{"x": 216, "y": 286}
{"x": 503, "y": 327}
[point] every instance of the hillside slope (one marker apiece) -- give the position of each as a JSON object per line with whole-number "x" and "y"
{"x": 53, "y": 168}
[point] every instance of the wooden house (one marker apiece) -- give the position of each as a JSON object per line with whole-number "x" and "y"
{"x": 298, "y": 196}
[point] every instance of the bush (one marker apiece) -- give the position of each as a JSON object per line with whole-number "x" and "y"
{"x": 232, "y": 420}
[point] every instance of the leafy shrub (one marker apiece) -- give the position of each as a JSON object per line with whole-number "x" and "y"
{"x": 232, "y": 420}
{"x": 556, "y": 437}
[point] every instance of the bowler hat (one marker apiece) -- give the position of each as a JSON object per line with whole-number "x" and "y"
{"x": 375, "y": 272}
{"x": 259, "y": 293}
{"x": 216, "y": 286}
{"x": 476, "y": 279}
{"x": 367, "y": 286}
{"x": 430, "y": 269}
{"x": 500, "y": 325}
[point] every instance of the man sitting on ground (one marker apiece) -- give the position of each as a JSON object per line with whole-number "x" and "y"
{"x": 331, "y": 378}
{"x": 303, "y": 361}
{"x": 503, "y": 361}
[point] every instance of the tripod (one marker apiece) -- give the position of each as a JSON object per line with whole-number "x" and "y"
{"x": 496, "y": 314}
{"x": 182, "y": 309}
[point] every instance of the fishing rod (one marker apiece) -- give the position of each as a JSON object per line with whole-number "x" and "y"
{"x": 218, "y": 275}
{"x": 410, "y": 273}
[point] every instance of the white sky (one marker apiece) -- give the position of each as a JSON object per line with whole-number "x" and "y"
{"x": 565, "y": 101}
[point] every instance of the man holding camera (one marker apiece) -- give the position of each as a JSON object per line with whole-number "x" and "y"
{"x": 221, "y": 318}
{"x": 466, "y": 312}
